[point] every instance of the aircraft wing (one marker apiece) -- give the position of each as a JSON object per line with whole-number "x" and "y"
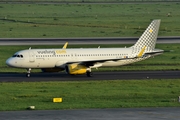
{"x": 93, "y": 62}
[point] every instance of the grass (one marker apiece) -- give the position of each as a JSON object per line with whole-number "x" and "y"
{"x": 87, "y": 1}
{"x": 90, "y": 20}
{"x": 90, "y": 94}
{"x": 86, "y": 20}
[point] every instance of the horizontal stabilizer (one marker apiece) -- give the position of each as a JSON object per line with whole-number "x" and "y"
{"x": 156, "y": 51}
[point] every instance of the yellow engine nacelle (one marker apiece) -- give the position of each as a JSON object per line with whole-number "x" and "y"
{"x": 75, "y": 69}
{"x": 51, "y": 69}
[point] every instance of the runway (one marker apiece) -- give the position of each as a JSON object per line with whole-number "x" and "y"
{"x": 78, "y": 41}
{"x": 95, "y": 114}
{"x": 113, "y": 75}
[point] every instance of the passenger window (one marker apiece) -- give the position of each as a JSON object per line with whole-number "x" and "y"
{"x": 21, "y": 56}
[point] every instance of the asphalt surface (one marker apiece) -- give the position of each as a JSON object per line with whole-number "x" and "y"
{"x": 119, "y": 75}
{"x": 60, "y": 41}
{"x": 95, "y": 114}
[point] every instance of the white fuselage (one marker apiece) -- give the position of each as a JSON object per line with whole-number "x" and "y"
{"x": 51, "y": 58}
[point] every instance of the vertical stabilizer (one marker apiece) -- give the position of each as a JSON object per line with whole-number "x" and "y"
{"x": 149, "y": 37}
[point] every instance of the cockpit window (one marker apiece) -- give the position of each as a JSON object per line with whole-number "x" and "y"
{"x": 16, "y": 55}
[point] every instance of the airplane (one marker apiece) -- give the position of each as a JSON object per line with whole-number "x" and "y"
{"x": 82, "y": 60}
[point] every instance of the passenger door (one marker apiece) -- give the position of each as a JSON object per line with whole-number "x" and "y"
{"x": 31, "y": 56}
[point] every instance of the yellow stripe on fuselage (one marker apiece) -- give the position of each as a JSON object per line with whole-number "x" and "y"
{"x": 141, "y": 52}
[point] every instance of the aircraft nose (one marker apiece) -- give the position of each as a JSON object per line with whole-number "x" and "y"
{"x": 9, "y": 62}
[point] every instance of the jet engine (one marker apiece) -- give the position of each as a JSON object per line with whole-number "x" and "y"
{"x": 75, "y": 69}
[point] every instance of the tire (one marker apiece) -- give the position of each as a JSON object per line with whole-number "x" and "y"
{"x": 28, "y": 75}
{"x": 89, "y": 74}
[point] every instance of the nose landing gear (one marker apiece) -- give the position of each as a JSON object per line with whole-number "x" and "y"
{"x": 28, "y": 74}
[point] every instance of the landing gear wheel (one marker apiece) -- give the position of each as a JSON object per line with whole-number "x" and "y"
{"x": 89, "y": 74}
{"x": 28, "y": 75}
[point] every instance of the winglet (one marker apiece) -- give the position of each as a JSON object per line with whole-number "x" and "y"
{"x": 141, "y": 52}
{"x": 65, "y": 45}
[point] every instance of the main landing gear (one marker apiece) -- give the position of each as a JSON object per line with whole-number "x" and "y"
{"x": 28, "y": 74}
{"x": 89, "y": 74}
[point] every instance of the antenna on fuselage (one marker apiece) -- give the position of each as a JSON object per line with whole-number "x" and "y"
{"x": 29, "y": 48}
